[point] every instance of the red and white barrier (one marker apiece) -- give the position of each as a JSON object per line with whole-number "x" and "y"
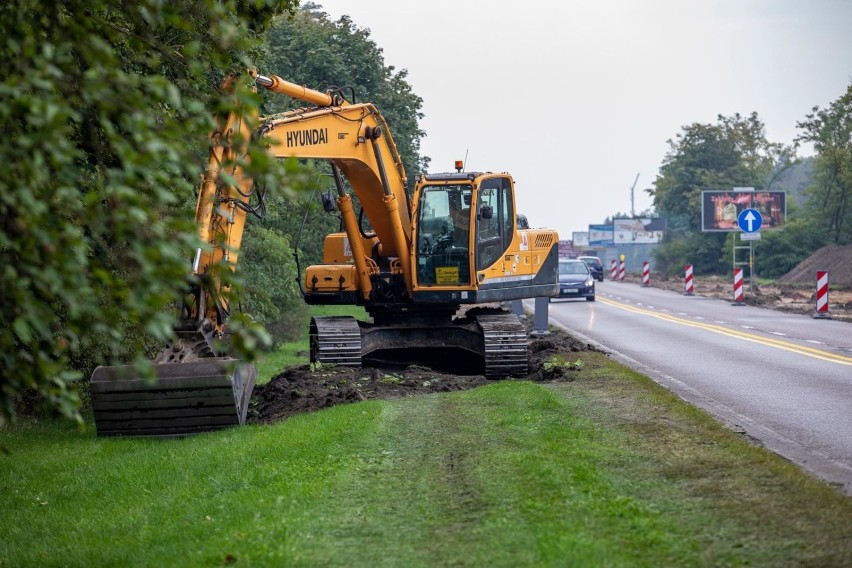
{"x": 687, "y": 280}
{"x": 614, "y": 269}
{"x": 738, "y": 286}
{"x": 621, "y": 270}
{"x": 822, "y": 294}
{"x": 646, "y": 274}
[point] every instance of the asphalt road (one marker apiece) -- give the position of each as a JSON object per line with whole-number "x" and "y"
{"x": 783, "y": 379}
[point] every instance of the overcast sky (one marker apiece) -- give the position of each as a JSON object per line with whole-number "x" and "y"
{"x": 574, "y": 98}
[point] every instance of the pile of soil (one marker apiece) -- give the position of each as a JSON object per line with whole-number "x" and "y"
{"x": 836, "y": 259}
{"x": 305, "y": 388}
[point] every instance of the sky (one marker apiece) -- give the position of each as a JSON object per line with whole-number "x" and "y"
{"x": 577, "y": 98}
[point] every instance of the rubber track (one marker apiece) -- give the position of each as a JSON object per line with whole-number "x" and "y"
{"x": 505, "y": 340}
{"x": 336, "y": 340}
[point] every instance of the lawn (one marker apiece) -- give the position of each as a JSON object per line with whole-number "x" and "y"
{"x": 606, "y": 470}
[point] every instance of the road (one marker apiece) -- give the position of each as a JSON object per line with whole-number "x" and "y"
{"x": 784, "y": 379}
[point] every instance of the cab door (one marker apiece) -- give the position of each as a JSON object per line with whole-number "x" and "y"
{"x": 495, "y": 224}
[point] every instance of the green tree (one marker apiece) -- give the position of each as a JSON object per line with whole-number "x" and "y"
{"x": 830, "y": 195}
{"x": 311, "y": 50}
{"x": 105, "y": 106}
{"x": 734, "y": 152}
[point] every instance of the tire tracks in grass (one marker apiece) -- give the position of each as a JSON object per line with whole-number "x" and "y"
{"x": 414, "y": 493}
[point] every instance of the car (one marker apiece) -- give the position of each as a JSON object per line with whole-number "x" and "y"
{"x": 595, "y": 266}
{"x": 575, "y": 280}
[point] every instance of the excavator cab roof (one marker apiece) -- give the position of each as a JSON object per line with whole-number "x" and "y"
{"x": 451, "y": 176}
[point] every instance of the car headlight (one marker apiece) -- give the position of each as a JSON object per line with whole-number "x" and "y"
{"x": 590, "y": 281}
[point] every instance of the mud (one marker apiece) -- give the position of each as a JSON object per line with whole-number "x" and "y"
{"x": 306, "y": 388}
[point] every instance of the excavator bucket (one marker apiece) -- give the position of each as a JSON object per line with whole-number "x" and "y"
{"x": 183, "y": 398}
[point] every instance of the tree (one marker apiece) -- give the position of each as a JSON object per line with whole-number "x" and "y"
{"x": 830, "y": 131}
{"x": 734, "y": 152}
{"x": 105, "y": 106}
{"x": 311, "y": 50}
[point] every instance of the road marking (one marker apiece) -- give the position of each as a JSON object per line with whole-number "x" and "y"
{"x": 778, "y": 333}
{"x": 736, "y": 334}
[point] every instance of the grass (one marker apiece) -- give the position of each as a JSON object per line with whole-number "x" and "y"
{"x": 607, "y": 470}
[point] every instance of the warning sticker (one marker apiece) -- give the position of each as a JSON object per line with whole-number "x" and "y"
{"x": 447, "y": 275}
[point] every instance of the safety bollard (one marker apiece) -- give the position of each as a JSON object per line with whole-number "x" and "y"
{"x": 646, "y": 274}
{"x": 687, "y": 280}
{"x": 738, "y": 287}
{"x": 621, "y": 270}
{"x": 822, "y": 295}
{"x": 614, "y": 270}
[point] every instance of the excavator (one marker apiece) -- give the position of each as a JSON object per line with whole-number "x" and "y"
{"x": 432, "y": 269}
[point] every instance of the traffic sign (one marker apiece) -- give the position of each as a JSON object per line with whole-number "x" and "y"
{"x": 750, "y": 220}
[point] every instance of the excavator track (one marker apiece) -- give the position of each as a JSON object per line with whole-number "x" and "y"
{"x": 505, "y": 345}
{"x": 335, "y": 340}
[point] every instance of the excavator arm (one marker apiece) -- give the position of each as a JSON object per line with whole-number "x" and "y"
{"x": 356, "y": 140}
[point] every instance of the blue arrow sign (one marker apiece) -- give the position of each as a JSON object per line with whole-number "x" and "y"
{"x": 750, "y": 220}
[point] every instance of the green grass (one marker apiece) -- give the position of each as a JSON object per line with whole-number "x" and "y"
{"x": 297, "y": 353}
{"x": 608, "y": 470}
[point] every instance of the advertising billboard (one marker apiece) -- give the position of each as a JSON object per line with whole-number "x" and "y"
{"x": 600, "y": 235}
{"x": 644, "y": 230}
{"x": 720, "y": 209}
{"x": 566, "y": 249}
{"x": 581, "y": 239}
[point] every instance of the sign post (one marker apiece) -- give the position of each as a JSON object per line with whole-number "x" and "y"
{"x": 750, "y": 221}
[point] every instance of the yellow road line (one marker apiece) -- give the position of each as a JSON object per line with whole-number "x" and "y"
{"x": 777, "y": 343}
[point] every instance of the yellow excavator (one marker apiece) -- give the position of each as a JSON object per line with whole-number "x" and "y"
{"x": 430, "y": 268}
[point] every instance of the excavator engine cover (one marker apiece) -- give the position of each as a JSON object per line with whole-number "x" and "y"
{"x": 183, "y": 399}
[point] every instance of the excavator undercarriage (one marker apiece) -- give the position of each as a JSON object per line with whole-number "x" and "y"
{"x": 483, "y": 341}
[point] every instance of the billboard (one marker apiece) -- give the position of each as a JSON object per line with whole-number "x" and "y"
{"x": 600, "y": 235}
{"x": 720, "y": 209}
{"x": 581, "y": 239}
{"x": 566, "y": 249}
{"x": 640, "y": 230}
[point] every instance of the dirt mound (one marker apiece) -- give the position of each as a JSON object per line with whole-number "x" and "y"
{"x": 836, "y": 259}
{"x": 305, "y": 388}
